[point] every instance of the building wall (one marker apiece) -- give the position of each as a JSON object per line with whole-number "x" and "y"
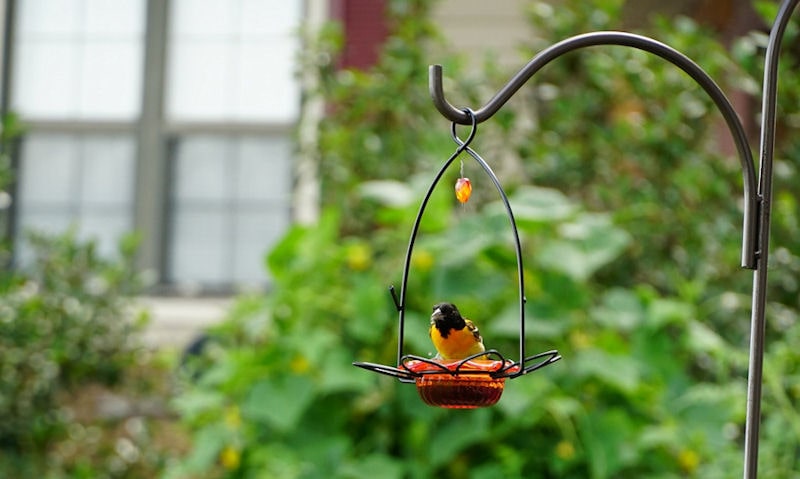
{"x": 479, "y": 28}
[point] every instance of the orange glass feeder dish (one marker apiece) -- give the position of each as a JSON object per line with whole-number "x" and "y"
{"x": 460, "y": 384}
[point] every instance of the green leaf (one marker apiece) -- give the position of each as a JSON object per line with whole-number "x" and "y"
{"x": 589, "y": 243}
{"x": 198, "y": 401}
{"x": 390, "y": 193}
{"x": 702, "y": 338}
{"x": 622, "y": 372}
{"x": 339, "y": 374}
{"x": 621, "y": 309}
{"x": 453, "y": 436}
{"x": 207, "y": 444}
{"x": 608, "y": 437}
{"x": 278, "y": 402}
{"x": 535, "y": 205}
{"x": 661, "y": 312}
{"x": 372, "y": 466}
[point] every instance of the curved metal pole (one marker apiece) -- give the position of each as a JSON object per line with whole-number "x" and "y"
{"x": 749, "y": 233}
{"x": 769, "y": 106}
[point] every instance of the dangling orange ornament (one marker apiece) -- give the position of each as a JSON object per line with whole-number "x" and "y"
{"x": 463, "y": 189}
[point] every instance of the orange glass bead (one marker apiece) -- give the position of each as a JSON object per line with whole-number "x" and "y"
{"x": 463, "y": 189}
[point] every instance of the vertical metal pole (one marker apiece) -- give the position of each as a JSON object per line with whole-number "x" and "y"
{"x": 758, "y": 322}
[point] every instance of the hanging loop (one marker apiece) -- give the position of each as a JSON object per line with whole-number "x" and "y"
{"x": 464, "y": 144}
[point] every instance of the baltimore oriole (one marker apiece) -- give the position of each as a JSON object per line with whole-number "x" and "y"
{"x": 453, "y": 336}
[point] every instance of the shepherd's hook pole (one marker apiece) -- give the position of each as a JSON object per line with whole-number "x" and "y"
{"x": 769, "y": 106}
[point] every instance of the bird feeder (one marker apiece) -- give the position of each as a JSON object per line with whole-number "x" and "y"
{"x": 468, "y": 383}
{"x": 477, "y": 380}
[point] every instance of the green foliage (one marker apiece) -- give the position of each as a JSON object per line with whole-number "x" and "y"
{"x": 625, "y": 131}
{"x": 363, "y": 105}
{"x": 10, "y": 129}
{"x": 65, "y": 322}
{"x": 631, "y": 240}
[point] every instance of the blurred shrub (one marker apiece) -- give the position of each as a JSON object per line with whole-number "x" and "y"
{"x": 65, "y": 322}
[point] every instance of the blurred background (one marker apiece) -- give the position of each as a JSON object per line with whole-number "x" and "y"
{"x": 204, "y": 202}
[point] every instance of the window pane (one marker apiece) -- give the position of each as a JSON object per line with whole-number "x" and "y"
{"x": 116, "y": 19}
{"x": 203, "y": 17}
{"x": 255, "y": 234}
{"x": 230, "y": 203}
{"x": 266, "y": 87}
{"x": 46, "y": 79}
{"x": 48, "y": 172}
{"x": 111, "y": 80}
{"x": 198, "y": 253}
{"x": 263, "y": 172}
{"x": 49, "y": 17}
{"x": 107, "y": 228}
{"x": 201, "y": 170}
{"x": 78, "y": 59}
{"x": 233, "y": 60}
{"x": 49, "y": 222}
{"x": 81, "y": 181}
{"x": 270, "y": 18}
{"x": 200, "y": 80}
{"x": 108, "y": 172}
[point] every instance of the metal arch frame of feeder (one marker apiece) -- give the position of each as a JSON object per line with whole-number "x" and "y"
{"x": 757, "y": 203}
{"x": 500, "y": 367}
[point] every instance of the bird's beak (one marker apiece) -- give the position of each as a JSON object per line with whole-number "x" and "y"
{"x": 437, "y": 315}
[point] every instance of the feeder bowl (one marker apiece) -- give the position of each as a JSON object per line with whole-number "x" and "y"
{"x": 460, "y": 384}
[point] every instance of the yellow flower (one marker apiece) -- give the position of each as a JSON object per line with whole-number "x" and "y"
{"x": 580, "y": 340}
{"x": 565, "y": 450}
{"x": 230, "y": 458}
{"x": 688, "y": 460}
{"x": 358, "y": 256}
{"x": 233, "y": 418}
{"x": 422, "y": 260}
{"x": 299, "y": 365}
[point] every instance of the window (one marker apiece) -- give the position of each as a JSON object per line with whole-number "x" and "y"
{"x": 66, "y": 178}
{"x": 78, "y": 59}
{"x": 210, "y": 187}
{"x": 243, "y": 50}
{"x": 230, "y": 199}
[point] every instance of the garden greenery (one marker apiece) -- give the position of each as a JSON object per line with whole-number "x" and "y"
{"x": 68, "y": 330}
{"x": 630, "y": 222}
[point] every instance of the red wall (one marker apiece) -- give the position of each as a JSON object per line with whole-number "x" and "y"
{"x": 365, "y": 30}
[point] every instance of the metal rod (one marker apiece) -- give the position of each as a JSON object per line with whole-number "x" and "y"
{"x": 750, "y": 221}
{"x": 769, "y": 103}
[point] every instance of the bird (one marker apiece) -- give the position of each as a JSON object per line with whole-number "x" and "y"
{"x": 453, "y": 336}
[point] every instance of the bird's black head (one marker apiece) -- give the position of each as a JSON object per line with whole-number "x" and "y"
{"x": 446, "y": 317}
